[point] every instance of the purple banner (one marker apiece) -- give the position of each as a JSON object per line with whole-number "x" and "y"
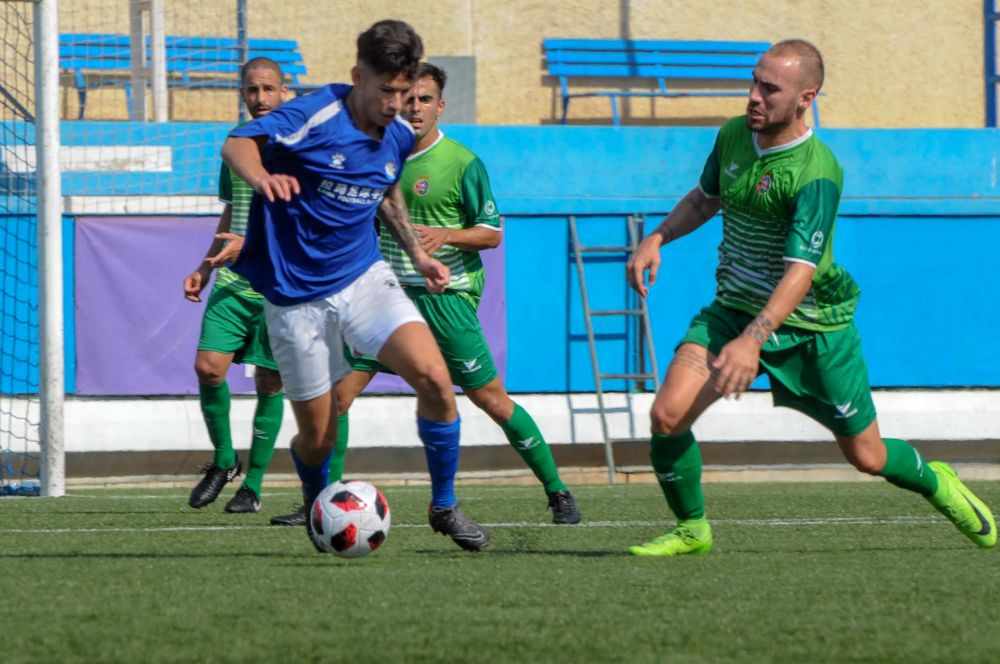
{"x": 137, "y": 335}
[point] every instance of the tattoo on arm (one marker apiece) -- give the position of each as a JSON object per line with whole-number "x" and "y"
{"x": 664, "y": 230}
{"x": 699, "y": 209}
{"x": 761, "y": 328}
{"x": 396, "y": 219}
{"x": 703, "y": 214}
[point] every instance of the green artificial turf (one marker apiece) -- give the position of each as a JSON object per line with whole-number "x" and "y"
{"x": 800, "y": 573}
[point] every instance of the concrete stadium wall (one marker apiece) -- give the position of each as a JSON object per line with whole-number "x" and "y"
{"x": 896, "y": 63}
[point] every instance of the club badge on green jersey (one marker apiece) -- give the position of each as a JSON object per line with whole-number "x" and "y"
{"x": 764, "y": 185}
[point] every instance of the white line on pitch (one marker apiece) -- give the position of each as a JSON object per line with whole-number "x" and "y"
{"x": 832, "y": 521}
{"x": 175, "y": 497}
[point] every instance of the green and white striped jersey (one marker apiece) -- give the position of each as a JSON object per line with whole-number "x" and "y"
{"x": 239, "y": 194}
{"x": 445, "y": 186}
{"x": 778, "y": 204}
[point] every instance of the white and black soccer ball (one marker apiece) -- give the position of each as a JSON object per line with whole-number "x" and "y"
{"x": 349, "y": 518}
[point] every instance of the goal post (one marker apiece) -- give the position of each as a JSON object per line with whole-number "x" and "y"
{"x": 50, "y": 250}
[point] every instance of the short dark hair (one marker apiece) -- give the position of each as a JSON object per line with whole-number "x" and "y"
{"x": 427, "y": 70}
{"x": 261, "y": 63}
{"x": 391, "y": 47}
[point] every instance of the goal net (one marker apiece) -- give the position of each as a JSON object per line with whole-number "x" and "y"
{"x": 146, "y": 92}
{"x": 19, "y": 365}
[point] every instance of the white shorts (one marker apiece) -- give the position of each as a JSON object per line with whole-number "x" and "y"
{"x": 307, "y": 339}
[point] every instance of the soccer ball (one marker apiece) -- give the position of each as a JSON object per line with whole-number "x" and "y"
{"x": 350, "y": 519}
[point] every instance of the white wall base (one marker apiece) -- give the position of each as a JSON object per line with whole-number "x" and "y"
{"x": 149, "y": 424}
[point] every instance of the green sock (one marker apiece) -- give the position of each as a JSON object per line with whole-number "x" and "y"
{"x": 905, "y": 468}
{"x": 336, "y": 466}
{"x": 215, "y": 411}
{"x": 266, "y": 422}
{"x": 527, "y": 440}
{"x": 677, "y": 462}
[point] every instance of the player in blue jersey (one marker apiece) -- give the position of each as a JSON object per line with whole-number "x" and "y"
{"x": 323, "y": 165}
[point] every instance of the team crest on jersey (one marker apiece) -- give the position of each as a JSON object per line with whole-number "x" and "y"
{"x": 421, "y": 186}
{"x": 764, "y": 185}
{"x": 390, "y": 169}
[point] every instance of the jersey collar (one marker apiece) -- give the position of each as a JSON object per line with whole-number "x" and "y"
{"x": 414, "y": 155}
{"x": 779, "y": 148}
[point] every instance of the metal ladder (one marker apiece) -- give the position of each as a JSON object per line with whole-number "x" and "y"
{"x": 643, "y": 350}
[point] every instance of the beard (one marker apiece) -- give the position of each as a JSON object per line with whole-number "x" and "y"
{"x": 774, "y": 124}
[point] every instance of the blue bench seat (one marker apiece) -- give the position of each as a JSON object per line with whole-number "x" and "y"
{"x": 98, "y": 60}
{"x": 709, "y": 68}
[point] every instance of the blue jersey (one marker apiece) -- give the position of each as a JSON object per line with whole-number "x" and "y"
{"x": 324, "y": 238}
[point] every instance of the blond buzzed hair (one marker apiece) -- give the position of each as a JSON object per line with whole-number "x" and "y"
{"x": 809, "y": 57}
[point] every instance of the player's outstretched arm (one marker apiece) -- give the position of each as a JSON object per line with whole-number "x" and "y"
{"x": 243, "y": 156}
{"x": 693, "y": 210}
{"x": 737, "y": 364}
{"x": 396, "y": 219}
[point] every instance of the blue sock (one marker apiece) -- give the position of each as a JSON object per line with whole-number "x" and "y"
{"x": 314, "y": 478}
{"x": 440, "y": 441}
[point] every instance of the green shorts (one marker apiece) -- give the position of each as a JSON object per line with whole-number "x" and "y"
{"x": 454, "y": 324}
{"x": 234, "y": 323}
{"x": 820, "y": 374}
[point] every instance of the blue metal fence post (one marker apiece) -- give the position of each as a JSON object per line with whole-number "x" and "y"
{"x": 242, "y": 39}
{"x": 990, "y": 17}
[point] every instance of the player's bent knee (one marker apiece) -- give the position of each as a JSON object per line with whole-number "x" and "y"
{"x": 209, "y": 373}
{"x": 498, "y": 406}
{"x": 433, "y": 380}
{"x": 667, "y": 421}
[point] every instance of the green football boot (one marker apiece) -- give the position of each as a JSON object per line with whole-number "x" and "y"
{"x": 969, "y": 514}
{"x": 681, "y": 540}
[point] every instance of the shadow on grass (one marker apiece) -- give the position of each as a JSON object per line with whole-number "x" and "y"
{"x": 843, "y": 548}
{"x": 493, "y": 552}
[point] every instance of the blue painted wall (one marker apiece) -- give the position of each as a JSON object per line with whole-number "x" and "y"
{"x": 928, "y": 313}
{"x": 919, "y": 223}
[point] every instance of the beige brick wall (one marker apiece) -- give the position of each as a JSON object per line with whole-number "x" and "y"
{"x": 890, "y": 63}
